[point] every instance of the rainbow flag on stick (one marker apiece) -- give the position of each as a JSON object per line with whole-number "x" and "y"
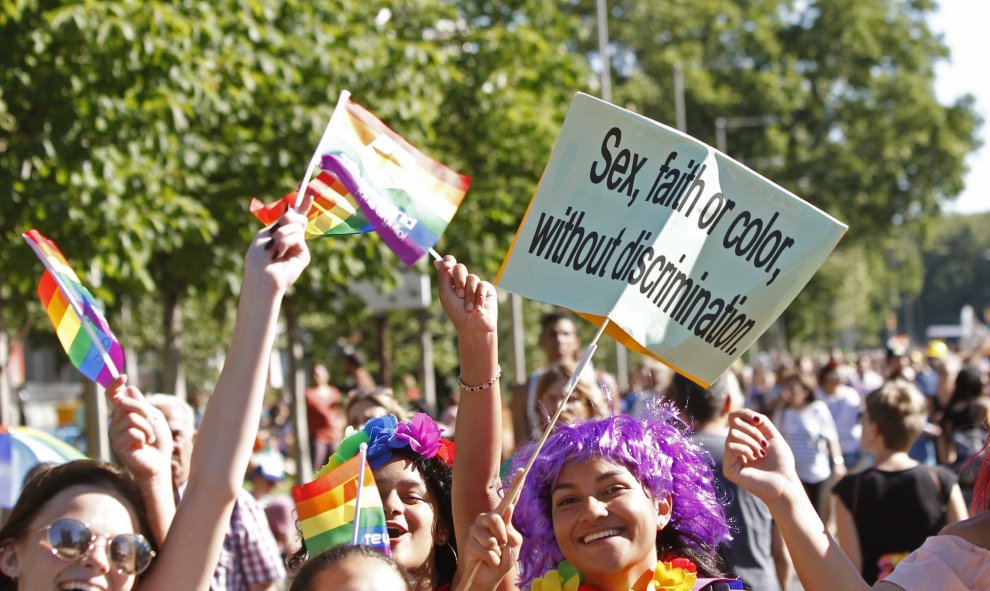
{"x": 408, "y": 197}
{"x": 342, "y": 507}
{"x": 79, "y": 324}
{"x": 334, "y": 211}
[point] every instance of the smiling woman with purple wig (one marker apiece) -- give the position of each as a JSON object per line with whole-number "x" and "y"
{"x": 624, "y": 501}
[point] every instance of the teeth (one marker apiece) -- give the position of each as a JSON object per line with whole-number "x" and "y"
{"x": 79, "y": 586}
{"x": 599, "y": 535}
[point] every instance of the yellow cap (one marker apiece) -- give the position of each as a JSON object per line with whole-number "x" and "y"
{"x": 937, "y": 349}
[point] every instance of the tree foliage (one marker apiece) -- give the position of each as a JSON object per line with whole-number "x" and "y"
{"x": 133, "y": 133}
{"x": 955, "y": 273}
{"x": 858, "y": 132}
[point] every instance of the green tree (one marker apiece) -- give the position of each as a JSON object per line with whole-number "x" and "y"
{"x": 134, "y": 133}
{"x": 954, "y": 270}
{"x": 859, "y": 130}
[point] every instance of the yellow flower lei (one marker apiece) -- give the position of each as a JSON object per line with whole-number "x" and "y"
{"x": 679, "y": 574}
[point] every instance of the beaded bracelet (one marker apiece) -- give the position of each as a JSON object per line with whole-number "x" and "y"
{"x": 485, "y": 386}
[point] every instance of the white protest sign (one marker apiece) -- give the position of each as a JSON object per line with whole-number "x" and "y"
{"x": 689, "y": 254}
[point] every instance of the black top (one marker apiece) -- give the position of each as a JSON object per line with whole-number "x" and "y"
{"x": 895, "y": 512}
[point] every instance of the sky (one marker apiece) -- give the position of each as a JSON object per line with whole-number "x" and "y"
{"x": 963, "y": 26}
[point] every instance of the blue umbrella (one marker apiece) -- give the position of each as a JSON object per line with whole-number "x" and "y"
{"x": 22, "y": 448}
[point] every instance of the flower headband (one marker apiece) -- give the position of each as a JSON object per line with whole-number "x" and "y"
{"x": 421, "y": 435}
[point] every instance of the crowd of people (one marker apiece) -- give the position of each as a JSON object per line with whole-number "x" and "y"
{"x": 852, "y": 472}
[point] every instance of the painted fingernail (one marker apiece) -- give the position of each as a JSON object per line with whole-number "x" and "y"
{"x": 756, "y": 418}
{"x": 764, "y": 443}
{"x": 763, "y": 453}
{"x": 270, "y": 244}
{"x": 275, "y": 256}
{"x": 275, "y": 227}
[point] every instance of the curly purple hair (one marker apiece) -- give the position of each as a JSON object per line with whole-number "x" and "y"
{"x": 658, "y": 454}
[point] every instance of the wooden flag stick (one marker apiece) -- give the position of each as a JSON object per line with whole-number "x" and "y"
{"x": 517, "y": 483}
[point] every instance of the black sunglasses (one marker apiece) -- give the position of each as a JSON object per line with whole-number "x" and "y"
{"x": 70, "y": 539}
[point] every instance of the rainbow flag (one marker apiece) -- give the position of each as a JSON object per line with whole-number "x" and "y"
{"x": 326, "y": 509}
{"x": 74, "y": 312}
{"x": 334, "y": 212}
{"x": 408, "y": 197}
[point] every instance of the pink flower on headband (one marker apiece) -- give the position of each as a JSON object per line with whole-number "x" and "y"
{"x": 421, "y": 434}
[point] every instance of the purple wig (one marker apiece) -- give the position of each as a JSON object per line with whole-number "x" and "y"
{"x": 656, "y": 452}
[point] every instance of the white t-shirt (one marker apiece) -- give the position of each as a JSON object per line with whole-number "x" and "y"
{"x": 807, "y": 431}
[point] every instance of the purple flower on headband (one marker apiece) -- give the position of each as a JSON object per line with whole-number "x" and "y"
{"x": 421, "y": 434}
{"x": 381, "y": 431}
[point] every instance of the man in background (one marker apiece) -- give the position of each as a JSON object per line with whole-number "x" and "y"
{"x": 560, "y": 342}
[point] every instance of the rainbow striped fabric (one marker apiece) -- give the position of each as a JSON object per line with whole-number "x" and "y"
{"x": 81, "y": 328}
{"x": 334, "y": 212}
{"x": 408, "y": 197}
{"x": 326, "y": 510}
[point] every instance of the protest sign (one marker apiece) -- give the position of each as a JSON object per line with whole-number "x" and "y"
{"x": 689, "y": 254}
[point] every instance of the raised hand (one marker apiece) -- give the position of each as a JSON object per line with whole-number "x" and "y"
{"x": 278, "y": 254}
{"x": 757, "y": 458}
{"x": 470, "y": 303}
{"x": 492, "y": 547}
{"x": 139, "y": 434}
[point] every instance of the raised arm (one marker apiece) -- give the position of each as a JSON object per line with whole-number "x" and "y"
{"x": 274, "y": 260}
{"x": 758, "y": 459}
{"x": 472, "y": 307}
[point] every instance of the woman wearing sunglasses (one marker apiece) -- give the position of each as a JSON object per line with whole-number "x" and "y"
{"x": 70, "y": 521}
{"x": 84, "y": 527}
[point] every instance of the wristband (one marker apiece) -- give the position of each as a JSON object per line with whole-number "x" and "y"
{"x": 485, "y": 386}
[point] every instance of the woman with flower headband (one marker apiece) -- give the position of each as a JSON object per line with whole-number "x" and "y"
{"x": 414, "y": 467}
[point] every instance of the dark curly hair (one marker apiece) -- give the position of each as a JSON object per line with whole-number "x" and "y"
{"x": 438, "y": 477}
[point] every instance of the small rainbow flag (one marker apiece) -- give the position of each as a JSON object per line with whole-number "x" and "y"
{"x": 327, "y": 506}
{"x": 334, "y": 211}
{"x": 408, "y": 197}
{"x": 74, "y": 312}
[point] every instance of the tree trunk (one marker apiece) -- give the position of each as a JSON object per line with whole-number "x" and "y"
{"x": 7, "y": 408}
{"x": 297, "y": 382}
{"x": 173, "y": 377}
{"x": 384, "y": 367}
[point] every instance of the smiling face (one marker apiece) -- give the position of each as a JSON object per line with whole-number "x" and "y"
{"x": 32, "y": 563}
{"x": 410, "y": 514}
{"x": 606, "y": 523}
